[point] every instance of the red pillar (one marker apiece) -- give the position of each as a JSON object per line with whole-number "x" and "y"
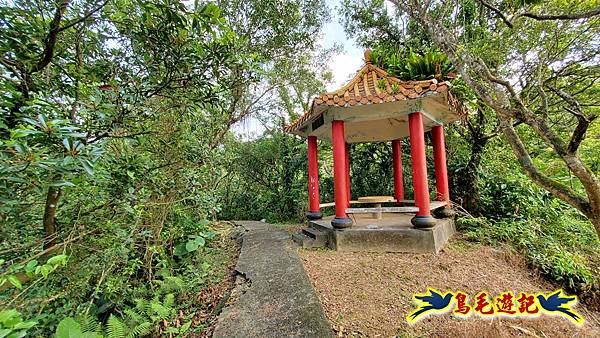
{"x": 314, "y": 211}
{"x": 423, "y": 218}
{"x": 349, "y": 195}
{"x": 340, "y": 177}
{"x": 397, "y": 164}
{"x": 441, "y": 171}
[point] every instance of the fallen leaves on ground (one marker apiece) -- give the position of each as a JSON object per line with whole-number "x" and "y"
{"x": 370, "y": 294}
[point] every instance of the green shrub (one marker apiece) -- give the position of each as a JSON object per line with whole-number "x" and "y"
{"x": 12, "y": 324}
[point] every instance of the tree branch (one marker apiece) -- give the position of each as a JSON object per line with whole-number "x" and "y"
{"x": 50, "y": 41}
{"x": 567, "y": 98}
{"x": 579, "y": 132}
{"x": 570, "y": 16}
{"x": 108, "y": 134}
{"x": 540, "y": 17}
{"x": 234, "y": 119}
{"x": 498, "y": 13}
{"x": 559, "y": 190}
{"x": 583, "y": 121}
{"x": 83, "y": 18}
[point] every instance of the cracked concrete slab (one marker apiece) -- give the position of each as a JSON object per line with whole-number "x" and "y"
{"x": 276, "y": 298}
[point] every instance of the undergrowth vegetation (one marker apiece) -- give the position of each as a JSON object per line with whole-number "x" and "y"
{"x": 115, "y": 146}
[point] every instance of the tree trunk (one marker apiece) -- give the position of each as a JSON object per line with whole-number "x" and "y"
{"x": 595, "y": 219}
{"x": 52, "y": 198}
{"x": 471, "y": 178}
{"x": 590, "y": 207}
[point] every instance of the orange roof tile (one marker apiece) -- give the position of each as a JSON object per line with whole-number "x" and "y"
{"x": 373, "y": 85}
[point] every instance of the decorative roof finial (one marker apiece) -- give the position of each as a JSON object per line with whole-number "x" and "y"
{"x": 368, "y": 56}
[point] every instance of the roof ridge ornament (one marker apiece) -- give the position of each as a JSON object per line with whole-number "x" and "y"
{"x": 367, "y": 54}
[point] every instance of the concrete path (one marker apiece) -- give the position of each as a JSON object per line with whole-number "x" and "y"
{"x": 277, "y": 298}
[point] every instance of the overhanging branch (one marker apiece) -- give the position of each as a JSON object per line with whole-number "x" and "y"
{"x": 569, "y": 16}
{"x": 51, "y": 38}
{"x": 557, "y": 189}
{"x": 509, "y": 21}
{"x": 83, "y": 18}
{"x": 497, "y": 12}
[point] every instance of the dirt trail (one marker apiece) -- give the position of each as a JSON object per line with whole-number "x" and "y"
{"x": 370, "y": 294}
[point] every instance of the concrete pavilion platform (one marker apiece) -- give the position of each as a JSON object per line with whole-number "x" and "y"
{"x": 392, "y": 233}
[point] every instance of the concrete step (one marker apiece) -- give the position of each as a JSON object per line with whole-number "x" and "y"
{"x": 311, "y": 238}
{"x": 319, "y": 236}
{"x": 303, "y": 240}
{"x": 314, "y": 233}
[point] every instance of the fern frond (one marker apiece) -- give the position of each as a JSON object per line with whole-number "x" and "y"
{"x": 134, "y": 315}
{"x": 89, "y": 323}
{"x": 169, "y": 300}
{"x": 159, "y": 310}
{"x": 140, "y": 305}
{"x": 115, "y": 328}
{"x": 171, "y": 284}
{"x": 140, "y": 330}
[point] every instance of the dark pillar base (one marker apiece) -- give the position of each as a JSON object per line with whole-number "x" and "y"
{"x": 341, "y": 222}
{"x": 313, "y": 215}
{"x": 444, "y": 212}
{"x": 423, "y": 221}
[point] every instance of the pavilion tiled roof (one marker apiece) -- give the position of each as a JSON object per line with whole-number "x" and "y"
{"x": 373, "y": 85}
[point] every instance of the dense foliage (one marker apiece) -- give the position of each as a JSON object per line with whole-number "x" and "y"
{"x": 410, "y": 65}
{"x": 113, "y": 121}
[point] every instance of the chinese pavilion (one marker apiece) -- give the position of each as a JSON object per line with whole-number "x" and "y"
{"x": 377, "y": 107}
